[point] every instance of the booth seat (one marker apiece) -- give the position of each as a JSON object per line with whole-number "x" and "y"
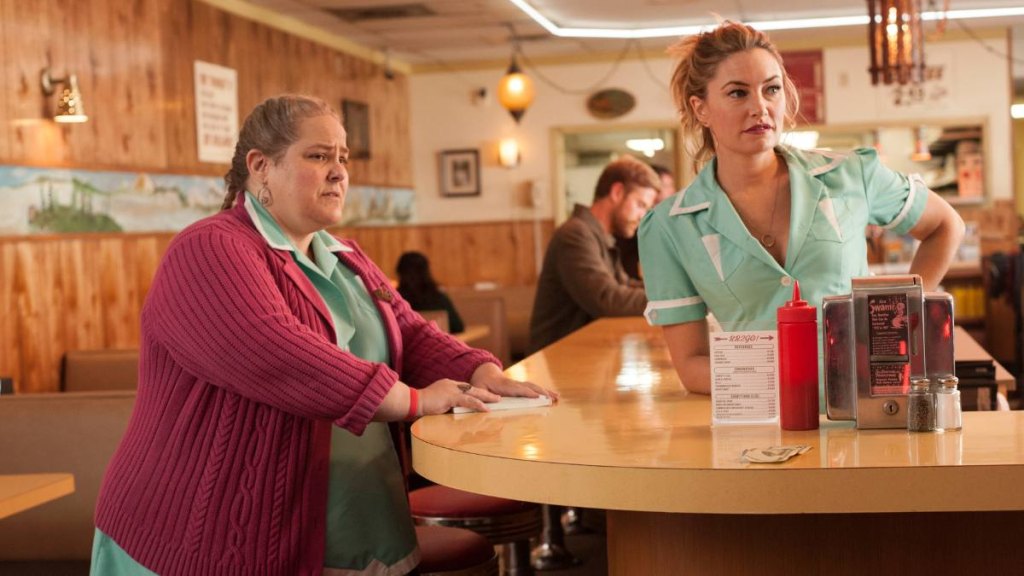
{"x": 71, "y": 432}
{"x": 506, "y": 310}
{"x": 98, "y": 370}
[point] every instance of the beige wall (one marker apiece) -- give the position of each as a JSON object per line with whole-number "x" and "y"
{"x": 443, "y": 117}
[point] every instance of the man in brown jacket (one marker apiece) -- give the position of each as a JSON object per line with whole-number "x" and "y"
{"x": 582, "y": 278}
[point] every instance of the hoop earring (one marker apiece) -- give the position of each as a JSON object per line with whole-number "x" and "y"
{"x": 264, "y": 196}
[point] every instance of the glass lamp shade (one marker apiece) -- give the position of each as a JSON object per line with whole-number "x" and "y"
{"x": 69, "y": 106}
{"x": 508, "y": 153}
{"x": 515, "y": 91}
{"x": 896, "y": 41}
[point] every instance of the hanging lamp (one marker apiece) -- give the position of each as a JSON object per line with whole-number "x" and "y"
{"x": 515, "y": 90}
{"x": 896, "y": 41}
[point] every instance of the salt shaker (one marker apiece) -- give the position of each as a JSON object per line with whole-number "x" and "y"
{"x": 948, "y": 415}
{"x": 920, "y": 406}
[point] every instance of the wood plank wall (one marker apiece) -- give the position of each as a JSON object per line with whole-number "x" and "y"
{"x": 134, "y": 62}
{"x": 84, "y": 292}
{"x": 462, "y": 254}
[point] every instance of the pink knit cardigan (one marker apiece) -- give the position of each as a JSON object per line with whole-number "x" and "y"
{"x": 223, "y": 468}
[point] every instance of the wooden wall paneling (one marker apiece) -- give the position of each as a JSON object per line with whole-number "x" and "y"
{"x": 26, "y": 40}
{"x": 39, "y": 306}
{"x": 210, "y": 33}
{"x": 86, "y": 291}
{"x": 148, "y": 250}
{"x": 243, "y": 55}
{"x": 121, "y": 300}
{"x": 459, "y": 254}
{"x": 9, "y": 318}
{"x": 82, "y": 310}
{"x": 143, "y": 85}
{"x": 107, "y": 46}
{"x": 51, "y": 144}
{"x": 134, "y": 64}
{"x": 81, "y": 54}
{"x": 177, "y": 105}
{"x": 265, "y": 57}
{"x": 6, "y": 56}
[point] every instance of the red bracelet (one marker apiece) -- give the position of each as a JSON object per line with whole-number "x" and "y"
{"x": 414, "y": 401}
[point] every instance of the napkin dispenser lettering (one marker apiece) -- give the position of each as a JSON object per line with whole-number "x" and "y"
{"x": 878, "y": 337}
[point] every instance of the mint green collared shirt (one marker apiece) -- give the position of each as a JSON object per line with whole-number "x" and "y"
{"x": 698, "y": 255}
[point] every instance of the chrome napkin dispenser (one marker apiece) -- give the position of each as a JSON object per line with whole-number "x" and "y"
{"x": 878, "y": 337}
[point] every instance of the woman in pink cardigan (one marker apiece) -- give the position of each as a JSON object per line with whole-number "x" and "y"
{"x": 272, "y": 355}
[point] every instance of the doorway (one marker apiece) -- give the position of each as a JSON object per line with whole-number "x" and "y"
{"x": 581, "y": 153}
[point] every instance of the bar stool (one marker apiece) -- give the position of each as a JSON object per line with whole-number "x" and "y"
{"x": 551, "y": 553}
{"x": 448, "y": 551}
{"x": 508, "y": 523}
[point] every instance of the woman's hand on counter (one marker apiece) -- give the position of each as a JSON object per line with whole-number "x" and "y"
{"x": 490, "y": 377}
{"x": 445, "y": 394}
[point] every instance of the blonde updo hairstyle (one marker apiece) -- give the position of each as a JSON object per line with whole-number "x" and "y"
{"x": 699, "y": 56}
{"x": 271, "y": 127}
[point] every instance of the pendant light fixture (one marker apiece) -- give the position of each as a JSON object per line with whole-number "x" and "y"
{"x": 515, "y": 90}
{"x": 896, "y": 41}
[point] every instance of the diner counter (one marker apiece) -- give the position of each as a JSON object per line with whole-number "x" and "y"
{"x": 626, "y": 437}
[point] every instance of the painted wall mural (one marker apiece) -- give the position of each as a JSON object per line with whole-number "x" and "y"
{"x": 58, "y": 201}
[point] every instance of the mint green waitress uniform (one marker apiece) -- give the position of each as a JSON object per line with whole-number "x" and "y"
{"x": 697, "y": 255}
{"x": 369, "y": 527}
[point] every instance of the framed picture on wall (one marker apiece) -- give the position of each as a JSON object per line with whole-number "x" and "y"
{"x": 357, "y": 125}
{"x": 460, "y": 173}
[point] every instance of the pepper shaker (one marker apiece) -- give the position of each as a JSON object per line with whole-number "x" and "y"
{"x": 920, "y": 406}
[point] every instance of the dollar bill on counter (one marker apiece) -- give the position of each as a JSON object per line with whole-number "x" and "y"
{"x": 773, "y": 454}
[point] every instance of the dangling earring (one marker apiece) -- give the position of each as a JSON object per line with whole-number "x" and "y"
{"x": 264, "y": 196}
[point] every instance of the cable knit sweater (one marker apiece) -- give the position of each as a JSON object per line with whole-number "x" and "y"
{"x": 223, "y": 468}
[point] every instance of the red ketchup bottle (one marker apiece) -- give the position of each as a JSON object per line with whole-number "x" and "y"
{"x": 798, "y": 363}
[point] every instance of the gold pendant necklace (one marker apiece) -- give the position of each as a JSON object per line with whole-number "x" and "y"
{"x": 768, "y": 239}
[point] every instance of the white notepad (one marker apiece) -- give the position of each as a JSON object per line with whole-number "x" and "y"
{"x": 510, "y": 403}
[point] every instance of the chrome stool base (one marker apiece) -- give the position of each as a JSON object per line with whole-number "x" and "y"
{"x": 572, "y": 521}
{"x": 551, "y": 553}
{"x": 552, "y": 557}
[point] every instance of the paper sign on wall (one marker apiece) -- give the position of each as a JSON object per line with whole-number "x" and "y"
{"x": 216, "y": 112}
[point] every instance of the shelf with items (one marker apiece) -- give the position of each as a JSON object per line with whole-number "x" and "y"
{"x": 954, "y": 165}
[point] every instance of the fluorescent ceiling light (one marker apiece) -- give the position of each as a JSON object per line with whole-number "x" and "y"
{"x": 648, "y": 146}
{"x": 803, "y": 139}
{"x": 797, "y": 24}
{"x": 1017, "y": 111}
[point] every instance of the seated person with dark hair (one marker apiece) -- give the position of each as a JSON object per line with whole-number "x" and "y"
{"x": 417, "y": 285}
{"x": 629, "y": 248}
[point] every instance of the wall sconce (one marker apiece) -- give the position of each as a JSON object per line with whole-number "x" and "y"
{"x": 69, "y": 106}
{"x": 508, "y": 153}
{"x": 896, "y": 40}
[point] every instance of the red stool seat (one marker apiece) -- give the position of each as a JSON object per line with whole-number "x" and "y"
{"x": 501, "y": 521}
{"x": 448, "y": 550}
{"x": 441, "y": 501}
